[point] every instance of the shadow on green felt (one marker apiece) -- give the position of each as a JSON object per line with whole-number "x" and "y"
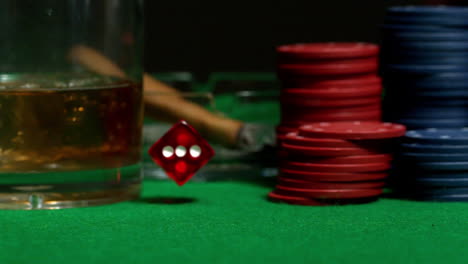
{"x": 166, "y": 200}
{"x": 266, "y": 182}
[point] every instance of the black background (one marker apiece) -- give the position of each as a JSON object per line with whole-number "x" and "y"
{"x": 208, "y": 36}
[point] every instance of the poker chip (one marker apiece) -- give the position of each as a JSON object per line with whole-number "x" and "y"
{"x": 294, "y": 139}
{"x": 301, "y": 119}
{"x": 424, "y": 51}
{"x": 439, "y": 136}
{"x": 330, "y": 50}
{"x": 442, "y": 198}
{"x": 444, "y": 80}
{"x": 434, "y": 15}
{"x": 355, "y": 159}
{"x": 425, "y": 56}
{"x": 329, "y": 83}
{"x": 426, "y": 148}
{"x": 417, "y": 28}
{"x": 352, "y": 130}
{"x": 436, "y": 194}
{"x": 345, "y": 67}
{"x": 437, "y": 112}
{"x": 411, "y": 172}
{"x": 433, "y": 46}
{"x": 428, "y": 11}
{"x": 420, "y": 119}
{"x": 402, "y": 83}
{"x": 336, "y": 78}
{"x": 442, "y": 191}
{"x": 435, "y": 157}
{"x": 327, "y": 152}
{"x": 441, "y": 94}
{"x": 328, "y": 193}
{"x": 291, "y": 183}
{"x": 422, "y": 122}
{"x": 410, "y": 58}
{"x": 330, "y": 103}
{"x": 442, "y": 166}
{"x": 428, "y": 36}
{"x": 427, "y": 69}
{"x": 299, "y": 112}
{"x": 332, "y": 177}
{"x": 441, "y": 182}
{"x": 432, "y": 164}
{"x": 422, "y": 101}
{"x": 312, "y": 82}
{"x": 334, "y": 92}
{"x": 334, "y": 167}
{"x": 447, "y": 93}
{"x": 424, "y": 65}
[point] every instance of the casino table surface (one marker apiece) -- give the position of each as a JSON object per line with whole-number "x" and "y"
{"x": 232, "y": 222}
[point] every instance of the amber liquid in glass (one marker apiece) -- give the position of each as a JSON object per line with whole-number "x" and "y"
{"x": 69, "y": 143}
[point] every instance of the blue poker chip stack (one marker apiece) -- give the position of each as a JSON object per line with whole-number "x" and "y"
{"x": 433, "y": 165}
{"x": 424, "y": 65}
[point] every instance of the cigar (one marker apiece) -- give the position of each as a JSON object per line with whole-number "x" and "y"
{"x": 215, "y": 128}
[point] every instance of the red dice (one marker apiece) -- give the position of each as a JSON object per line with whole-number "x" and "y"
{"x": 181, "y": 152}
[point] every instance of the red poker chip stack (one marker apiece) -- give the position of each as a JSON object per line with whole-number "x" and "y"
{"x": 335, "y": 163}
{"x": 328, "y": 82}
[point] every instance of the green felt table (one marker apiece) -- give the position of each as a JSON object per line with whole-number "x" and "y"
{"x": 232, "y": 222}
